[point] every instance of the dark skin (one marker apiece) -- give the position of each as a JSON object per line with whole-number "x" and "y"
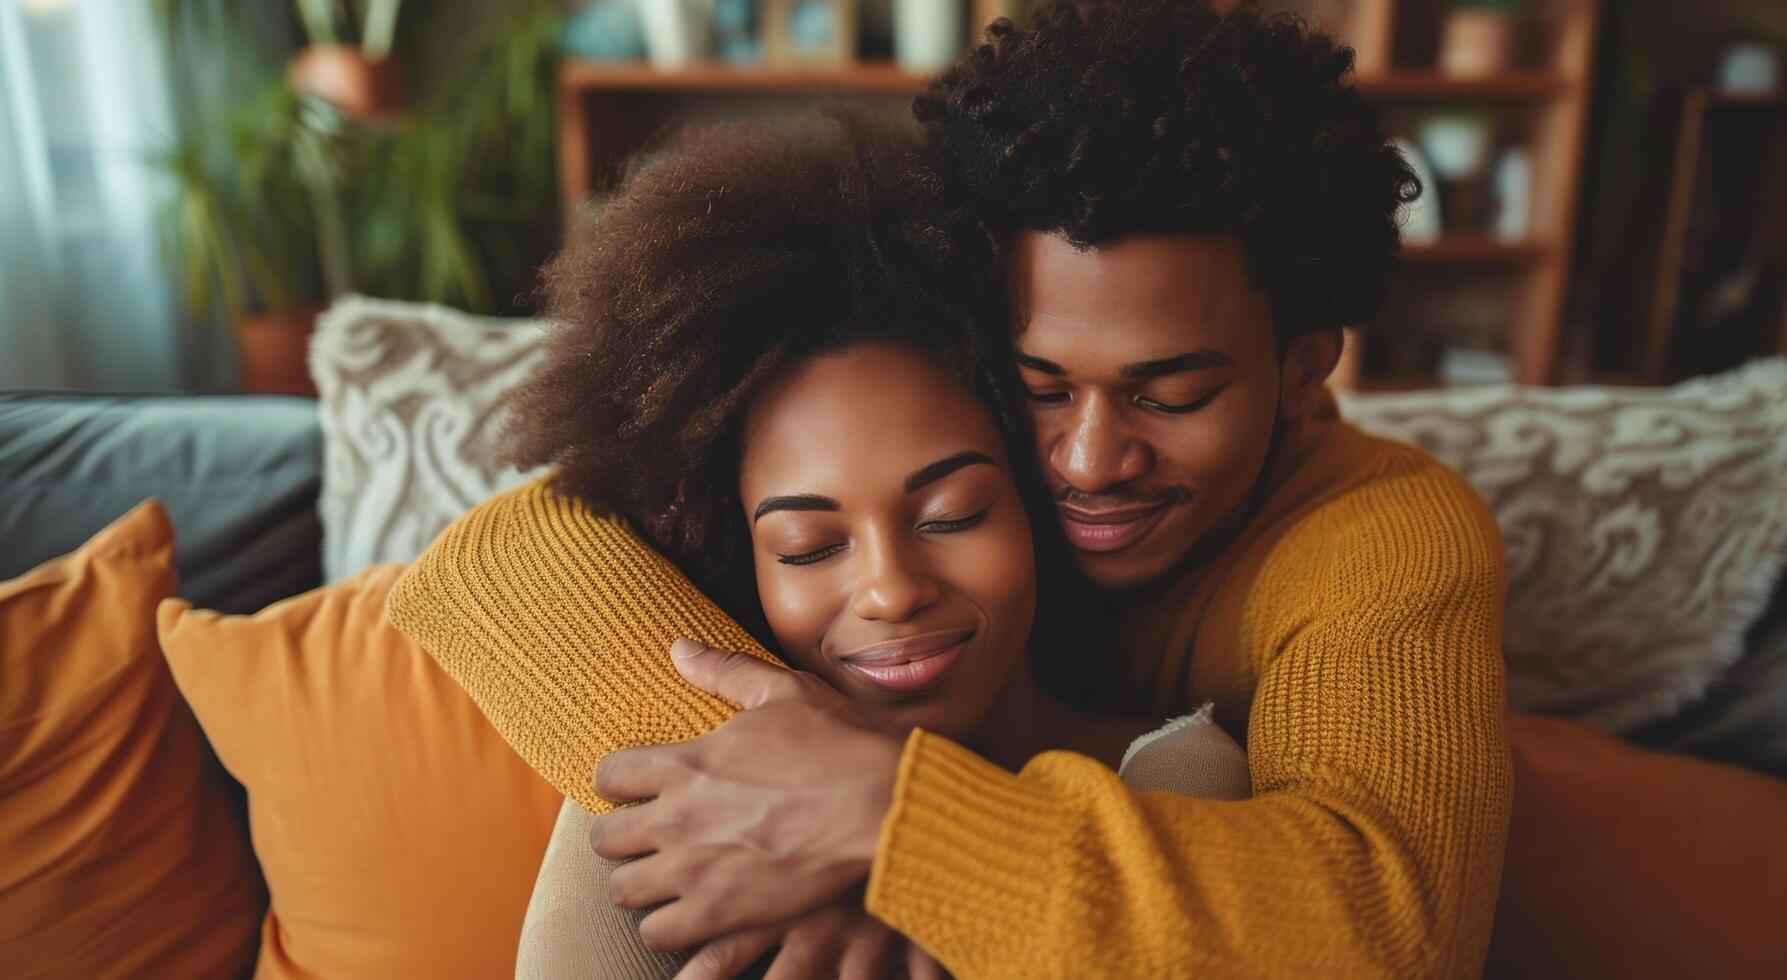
{"x": 885, "y": 523}
{"x": 1157, "y": 385}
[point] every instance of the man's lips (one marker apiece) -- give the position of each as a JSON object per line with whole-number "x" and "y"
{"x": 910, "y": 663}
{"x": 1110, "y": 530}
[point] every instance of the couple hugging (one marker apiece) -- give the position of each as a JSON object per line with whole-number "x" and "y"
{"x": 1008, "y": 433}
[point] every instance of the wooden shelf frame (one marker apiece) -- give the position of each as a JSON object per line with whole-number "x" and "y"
{"x": 886, "y": 76}
{"x": 863, "y": 76}
{"x": 1420, "y": 84}
{"x": 1475, "y": 250}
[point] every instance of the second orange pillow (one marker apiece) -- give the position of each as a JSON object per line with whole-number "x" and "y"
{"x": 399, "y": 834}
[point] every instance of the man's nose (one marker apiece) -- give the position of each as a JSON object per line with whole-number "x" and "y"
{"x": 1097, "y": 449}
{"x": 893, "y": 584}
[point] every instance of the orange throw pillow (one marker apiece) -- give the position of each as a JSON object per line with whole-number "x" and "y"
{"x": 399, "y": 834}
{"x": 121, "y": 851}
{"x": 1628, "y": 863}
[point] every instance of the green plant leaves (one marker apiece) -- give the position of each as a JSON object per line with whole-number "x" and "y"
{"x": 287, "y": 200}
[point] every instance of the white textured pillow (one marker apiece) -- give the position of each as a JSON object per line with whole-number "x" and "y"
{"x": 1645, "y": 527}
{"x": 410, "y": 422}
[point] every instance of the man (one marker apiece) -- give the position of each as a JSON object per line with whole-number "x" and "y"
{"x": 1194, "y": 207}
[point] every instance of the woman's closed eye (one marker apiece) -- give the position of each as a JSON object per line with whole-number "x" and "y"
{"x": 934, "y": 526}
{"x": 809, "y": 557}
{"x": 952, "y": 525}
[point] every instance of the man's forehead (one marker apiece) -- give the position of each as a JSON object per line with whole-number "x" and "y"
{"x": 1114, "y": 339}
{"x": 1155, "y": 283}
{"x": 1041, "y": 260}
{"x": 1124, "y": 341}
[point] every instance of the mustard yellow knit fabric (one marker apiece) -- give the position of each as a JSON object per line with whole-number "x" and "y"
{"x": 558, "y": 621}
{"x": 1356, "y": 633}
{"x": 1352, "y": 636}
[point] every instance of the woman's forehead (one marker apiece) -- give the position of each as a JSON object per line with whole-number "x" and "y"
{"x": 870, "y": 413}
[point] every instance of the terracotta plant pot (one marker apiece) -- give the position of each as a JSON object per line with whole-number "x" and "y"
{"x": 274, "y": 349}
{"x": 340, "y": 74}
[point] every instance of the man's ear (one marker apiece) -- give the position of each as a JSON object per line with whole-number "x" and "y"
{"x": 1308, "y": 360}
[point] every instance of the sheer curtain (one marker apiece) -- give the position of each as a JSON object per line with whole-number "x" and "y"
{"x": 85, "y": 298}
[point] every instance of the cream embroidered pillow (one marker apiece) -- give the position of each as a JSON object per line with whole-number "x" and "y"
{"x": 410, "y": 422}
{"x": 1645, "y": 528}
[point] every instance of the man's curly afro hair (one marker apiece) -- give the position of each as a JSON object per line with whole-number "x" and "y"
{"x": 726, "y": 256}
{"x": 1101, "y": 119}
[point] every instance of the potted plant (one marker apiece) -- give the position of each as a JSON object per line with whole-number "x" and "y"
{"x": 457, "y": 202}
{"x": 348, "y": 60}
{"x": 293, "y": 198}
{"x": 242, "y": 228}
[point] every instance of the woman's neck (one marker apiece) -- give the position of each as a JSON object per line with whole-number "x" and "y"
{"x": 1026, "y": 720}
{"x": 1013, "y": 729}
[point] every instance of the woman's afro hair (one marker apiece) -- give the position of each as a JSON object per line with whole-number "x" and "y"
{"x": 726, "y": 256}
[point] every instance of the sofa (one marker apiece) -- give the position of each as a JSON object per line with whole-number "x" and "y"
{"x": 1647, "y": 531}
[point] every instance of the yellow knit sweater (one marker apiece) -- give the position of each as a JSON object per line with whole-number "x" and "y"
{"x": 1355, "y": 626}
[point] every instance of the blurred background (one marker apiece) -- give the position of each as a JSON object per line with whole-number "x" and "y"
{"x": 269, "y": 262}
{"x": 186, "y": 184}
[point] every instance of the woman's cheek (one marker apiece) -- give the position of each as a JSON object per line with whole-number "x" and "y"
{"x": 999, "y": 572}
{"x": 799, "y": 608}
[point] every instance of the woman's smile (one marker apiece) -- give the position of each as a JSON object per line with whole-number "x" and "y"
{"x": 909, "y": 664}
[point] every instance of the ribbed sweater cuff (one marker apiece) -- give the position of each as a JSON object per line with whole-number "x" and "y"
{"x": 962, "y": 865}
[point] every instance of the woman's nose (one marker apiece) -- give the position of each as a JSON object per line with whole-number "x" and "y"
{"x": 893, "y": 586}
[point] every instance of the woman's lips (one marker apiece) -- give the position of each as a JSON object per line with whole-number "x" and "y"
{"x": 909, "y": 664}
{"x": 1109, "y": 531}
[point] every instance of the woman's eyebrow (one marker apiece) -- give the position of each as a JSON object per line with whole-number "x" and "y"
{"x": 923, "y": 477}
{"x": 798, "y": 501}
{"x": 927, "y": 475}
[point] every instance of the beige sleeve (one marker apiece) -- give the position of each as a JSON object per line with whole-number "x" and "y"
{"x": 1190, "y": 756}
{"x": 572, "y": 930}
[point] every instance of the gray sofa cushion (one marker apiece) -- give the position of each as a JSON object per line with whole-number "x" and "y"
{"x": 239, "y": 475}
{"x": 1743, "y": 718}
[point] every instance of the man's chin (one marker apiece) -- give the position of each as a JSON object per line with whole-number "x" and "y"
{"x": 1121, "y": 571}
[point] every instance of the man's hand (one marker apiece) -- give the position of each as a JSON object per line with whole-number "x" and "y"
{"x": 837, "y": 939}
{"x": 771, "y": 815}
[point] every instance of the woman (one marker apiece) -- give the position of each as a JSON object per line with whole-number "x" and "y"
{"x": 781, "y": 358}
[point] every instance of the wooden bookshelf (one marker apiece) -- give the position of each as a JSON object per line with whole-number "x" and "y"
{"x": 1542, "y": 97}
{"x": 608, "y": 110}
{"x": 864, "y": 76}
{"x": 886, "y": 76}
{"x": 1475, "y": 250}
{"x": 1710, "y": 120}
{"x": 1514, "y": 86}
